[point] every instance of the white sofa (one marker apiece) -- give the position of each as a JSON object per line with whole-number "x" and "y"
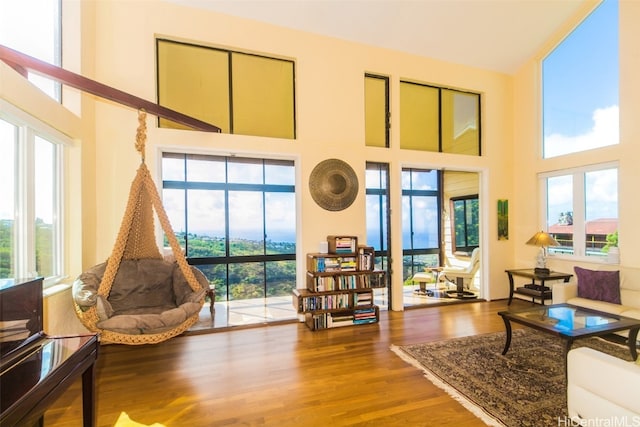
{"x": 602, "y": 389}
{"x": 629, "y": 295}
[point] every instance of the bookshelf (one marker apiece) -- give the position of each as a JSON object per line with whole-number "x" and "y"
{"x": 339, "y": 286}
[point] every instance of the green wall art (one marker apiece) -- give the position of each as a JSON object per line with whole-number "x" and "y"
{"x": 503, "y": 219}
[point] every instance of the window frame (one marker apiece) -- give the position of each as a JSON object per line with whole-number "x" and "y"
{"x": 412, "y": 252}
{"x": 387, "y": 114}
{"x": 53, "y": 44}
{"x": 579, "y": 221}
{"x": 24, "y": 253}
{"x": 551, "y": 151}
{"x": 382, "y": 241}
{"x": 230, "y": 262}
{"x": 440, "y": 119}
{"x": 231, "y": 112}
{"x": 466, "y": 248}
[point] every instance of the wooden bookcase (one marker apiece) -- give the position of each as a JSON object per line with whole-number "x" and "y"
{"x": 340, "y": 287}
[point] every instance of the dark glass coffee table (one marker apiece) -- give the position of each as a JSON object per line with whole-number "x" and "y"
{"x": 571, "y": 323}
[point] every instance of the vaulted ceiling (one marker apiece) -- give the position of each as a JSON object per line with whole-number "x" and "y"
{"x": 498, "y": 35}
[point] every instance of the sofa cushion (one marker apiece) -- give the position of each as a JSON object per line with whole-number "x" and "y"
{"x": 598, "y": 285}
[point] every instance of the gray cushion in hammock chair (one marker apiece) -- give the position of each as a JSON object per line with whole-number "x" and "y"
{"x": 147, "y": 296}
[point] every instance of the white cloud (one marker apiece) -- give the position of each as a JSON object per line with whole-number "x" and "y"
{"x": 605, "y": 131}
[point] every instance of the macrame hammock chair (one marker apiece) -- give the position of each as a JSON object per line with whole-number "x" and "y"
{"x": 135, "y": 245}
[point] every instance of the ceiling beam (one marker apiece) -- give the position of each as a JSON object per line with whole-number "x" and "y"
{"x": 24, "y": 63}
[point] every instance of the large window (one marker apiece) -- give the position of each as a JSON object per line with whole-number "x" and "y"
{"x": 34, "y": 27}
{"x": 438, "y": 119}
{"x": 421, "y": 235}
{"x": 582, "y": 209}
{"x": 236, "y": 219}
{"x": 580, "y": 86}
{"x": 240, "y": 93}
{"x": 30, "y": 201}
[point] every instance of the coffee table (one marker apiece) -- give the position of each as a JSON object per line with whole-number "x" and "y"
{"x": 571, "y": 323}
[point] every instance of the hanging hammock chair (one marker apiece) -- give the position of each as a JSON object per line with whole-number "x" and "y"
{"x": 138, "y": 296}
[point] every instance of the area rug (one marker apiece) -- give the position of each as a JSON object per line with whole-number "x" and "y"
{"x": 525, "y": 387}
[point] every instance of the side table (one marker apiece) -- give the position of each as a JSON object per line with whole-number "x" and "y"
{"x": 533, "y": 289}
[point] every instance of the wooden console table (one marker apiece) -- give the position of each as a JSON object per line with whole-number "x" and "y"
{"x": 533, "y": 289}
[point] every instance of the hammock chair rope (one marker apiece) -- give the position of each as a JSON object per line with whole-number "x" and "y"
{"x": 136, "y": 240}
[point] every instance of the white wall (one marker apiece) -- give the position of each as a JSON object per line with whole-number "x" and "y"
{"x": 330, "y": 118}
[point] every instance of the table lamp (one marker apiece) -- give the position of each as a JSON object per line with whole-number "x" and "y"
{"x": 543, "y": 240}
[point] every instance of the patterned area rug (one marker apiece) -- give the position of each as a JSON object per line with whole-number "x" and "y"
{"x": 525, "y": 387}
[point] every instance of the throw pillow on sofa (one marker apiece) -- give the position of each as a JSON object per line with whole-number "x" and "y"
{"x": 598, "y": 285}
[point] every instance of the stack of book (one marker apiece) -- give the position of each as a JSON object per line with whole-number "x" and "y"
{"x": 343, "y": 245}
{"x": 335, "y": 320}
{"x": 365, "y": 315}
{"x": 361, "y": 299}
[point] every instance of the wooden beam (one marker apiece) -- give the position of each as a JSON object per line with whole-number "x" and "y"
{"x": 23, "y": 63}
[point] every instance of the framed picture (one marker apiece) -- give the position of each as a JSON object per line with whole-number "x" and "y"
{"x": 503, "y": 219}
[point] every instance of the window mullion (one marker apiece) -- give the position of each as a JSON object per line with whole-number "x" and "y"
{"x": 25, "y": 204}
{"x": 58, "y": 211}
{"x": 579, "y": 230}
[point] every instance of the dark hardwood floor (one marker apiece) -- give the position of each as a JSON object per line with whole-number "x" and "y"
{"x": 284, "y": 375}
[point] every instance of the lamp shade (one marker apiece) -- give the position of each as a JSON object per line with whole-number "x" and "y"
{"x": 542, "y": 239}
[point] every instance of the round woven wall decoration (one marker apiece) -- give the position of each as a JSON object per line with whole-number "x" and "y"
{"x": 333, "y": 185}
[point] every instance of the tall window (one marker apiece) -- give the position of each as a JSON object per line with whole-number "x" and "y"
{"x": 465, "y": 223}
{"x": 30, "y": 201}
{"x": 236, "y": 219}
{"x": 33, "y": 27}
{"x": 240, "y": 93}
{"x": 377, "y": 184}
{"x": 438, "y": 119}
{"x": 582, "y": 209}
{"x": 421, "y": 217}
{"x": 376, "y": 110}
{"x": 377, "y": 190}
{"x": 580, "y": 86}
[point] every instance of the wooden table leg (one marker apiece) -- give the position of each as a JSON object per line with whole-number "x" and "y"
{"x": 89, "y": 397}
{"x": 510, "y": 289}
{"x": 631, "y": 340}
{"x": 507, "y": 343}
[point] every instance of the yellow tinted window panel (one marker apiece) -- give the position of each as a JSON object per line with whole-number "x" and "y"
{"x": 263, "y": 96}
{"x": 375, "y": 112}
{"x": 194, "y": 81}
{"x": 418, "y": 117}
{"x": 460, "y": 123}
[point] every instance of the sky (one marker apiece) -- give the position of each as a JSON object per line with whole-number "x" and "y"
{"x": 580, "y": 86}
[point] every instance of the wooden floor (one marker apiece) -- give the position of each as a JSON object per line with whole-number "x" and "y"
{"x": 284, "y": 375}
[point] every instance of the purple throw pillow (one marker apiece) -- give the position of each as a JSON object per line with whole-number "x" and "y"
{"x": 598, "y": 285}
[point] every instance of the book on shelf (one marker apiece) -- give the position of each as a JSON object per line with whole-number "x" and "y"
{"x": 342, "y": 244}
{"x": 332, "y": 264}
{"x": 366, "y": 258}
{"x": 337, "y": 320}
{"x": 348, "y": 263}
